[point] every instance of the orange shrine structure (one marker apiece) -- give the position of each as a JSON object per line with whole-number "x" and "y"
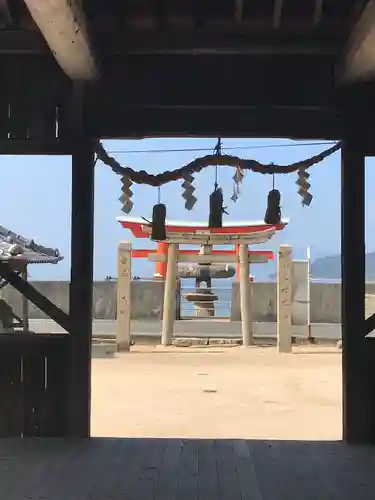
{"x": 203, "y": 262}
{"x": 189, "y": 232}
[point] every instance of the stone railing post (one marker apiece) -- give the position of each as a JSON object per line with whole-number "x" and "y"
{"x": 123, "y": 297}
{"x": 245, "y": 297}
{"x": 169, "y": 311}
{"x": 284, "y": 299}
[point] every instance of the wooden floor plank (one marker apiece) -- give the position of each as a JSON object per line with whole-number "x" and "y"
{"x": 229, "y": 487}
{"x": 184, "y": 469}
{"x": 117, "y": 469}
{"x": 275, "y": 471}
{"x": 39, "y": 463}
{"x": 187, "y": 488}
{"x": 167, "y": 486}
{"x": 316, "y": 471}
{"x": 247, "y": 476}
{"x": 307, "y": 480}
{"x": 350, "y": 470}
{"x": 149, "y": 470}
{"x": 11, "y": 468}
{"x": 127, "y": 474}
{"x": 208, "y": 480}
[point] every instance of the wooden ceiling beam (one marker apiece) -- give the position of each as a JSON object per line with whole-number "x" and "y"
{"x": 63, "y": 25}
{"x": 161, "y": 13}
{"x": 358, "y": 62}
{"x": 22, "y": 42}
{"x": 215, "y": 43}
{"x": 213, "y": 122}
{"x": 5, "y": 17}
{"x": 146, "y": 42}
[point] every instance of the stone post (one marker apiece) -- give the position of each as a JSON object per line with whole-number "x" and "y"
{"x": 123, "y": 297}
{"x": 238, "y": 271}
{"x": 169, "y": 311}
{"x": 245, "y": 296}
{"x": 284, "y": 299}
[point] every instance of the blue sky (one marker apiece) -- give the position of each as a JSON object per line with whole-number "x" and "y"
{"x": 36, "y": 198}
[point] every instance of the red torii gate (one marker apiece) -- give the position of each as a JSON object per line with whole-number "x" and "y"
{"x": 195, "y": 232}
{"x": 240, "y": 235}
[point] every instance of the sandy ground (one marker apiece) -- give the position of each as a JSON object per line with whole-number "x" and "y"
{"x": 218, "y": 393}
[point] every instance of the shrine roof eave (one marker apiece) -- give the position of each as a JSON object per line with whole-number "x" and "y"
{"x": 198, "y": 224}
{"x": 16, "y": 248}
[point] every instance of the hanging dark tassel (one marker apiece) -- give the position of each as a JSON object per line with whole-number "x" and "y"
{"x": 216, "y": 208}
{"x": 159, "y": 213}
{"x": 273, "y": 213}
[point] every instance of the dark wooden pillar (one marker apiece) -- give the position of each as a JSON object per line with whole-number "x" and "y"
{"x": 356, "y": 414}
{"x": 81, "y": 286}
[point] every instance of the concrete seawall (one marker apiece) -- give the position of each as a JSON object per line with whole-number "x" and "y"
{"x": 325, "y": 302}
{"x": 147, "y": 300}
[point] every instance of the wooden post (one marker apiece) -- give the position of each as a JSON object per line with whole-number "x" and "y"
{"x": 123, "y": 296}
{"x": 245, "y": 296}
{"x": 358, "y": 393}
{"x": 81, "y": 275}
{"x": 81, "y": 287}
{"x": 25, "y": 305}
{"x": 284, "y": 299}
{"x": 169, "y": 311}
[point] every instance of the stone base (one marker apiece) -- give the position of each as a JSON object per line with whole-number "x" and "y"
{"x": 204, "y": 301}
{"x": 205, "y": 309}
{"x": 123, "y": 346}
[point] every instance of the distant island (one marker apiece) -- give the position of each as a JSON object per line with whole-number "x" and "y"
{"x": 330, "y": 267}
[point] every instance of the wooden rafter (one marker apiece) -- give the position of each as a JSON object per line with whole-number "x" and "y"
{"x": 277, "y": 13}
{"x": 63, "y": 25}
{"x": 5, "y": 17}
{"x": 359, "y": 57}
{"x": 238, "y": 12}
{"x": 318, "y": 11}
